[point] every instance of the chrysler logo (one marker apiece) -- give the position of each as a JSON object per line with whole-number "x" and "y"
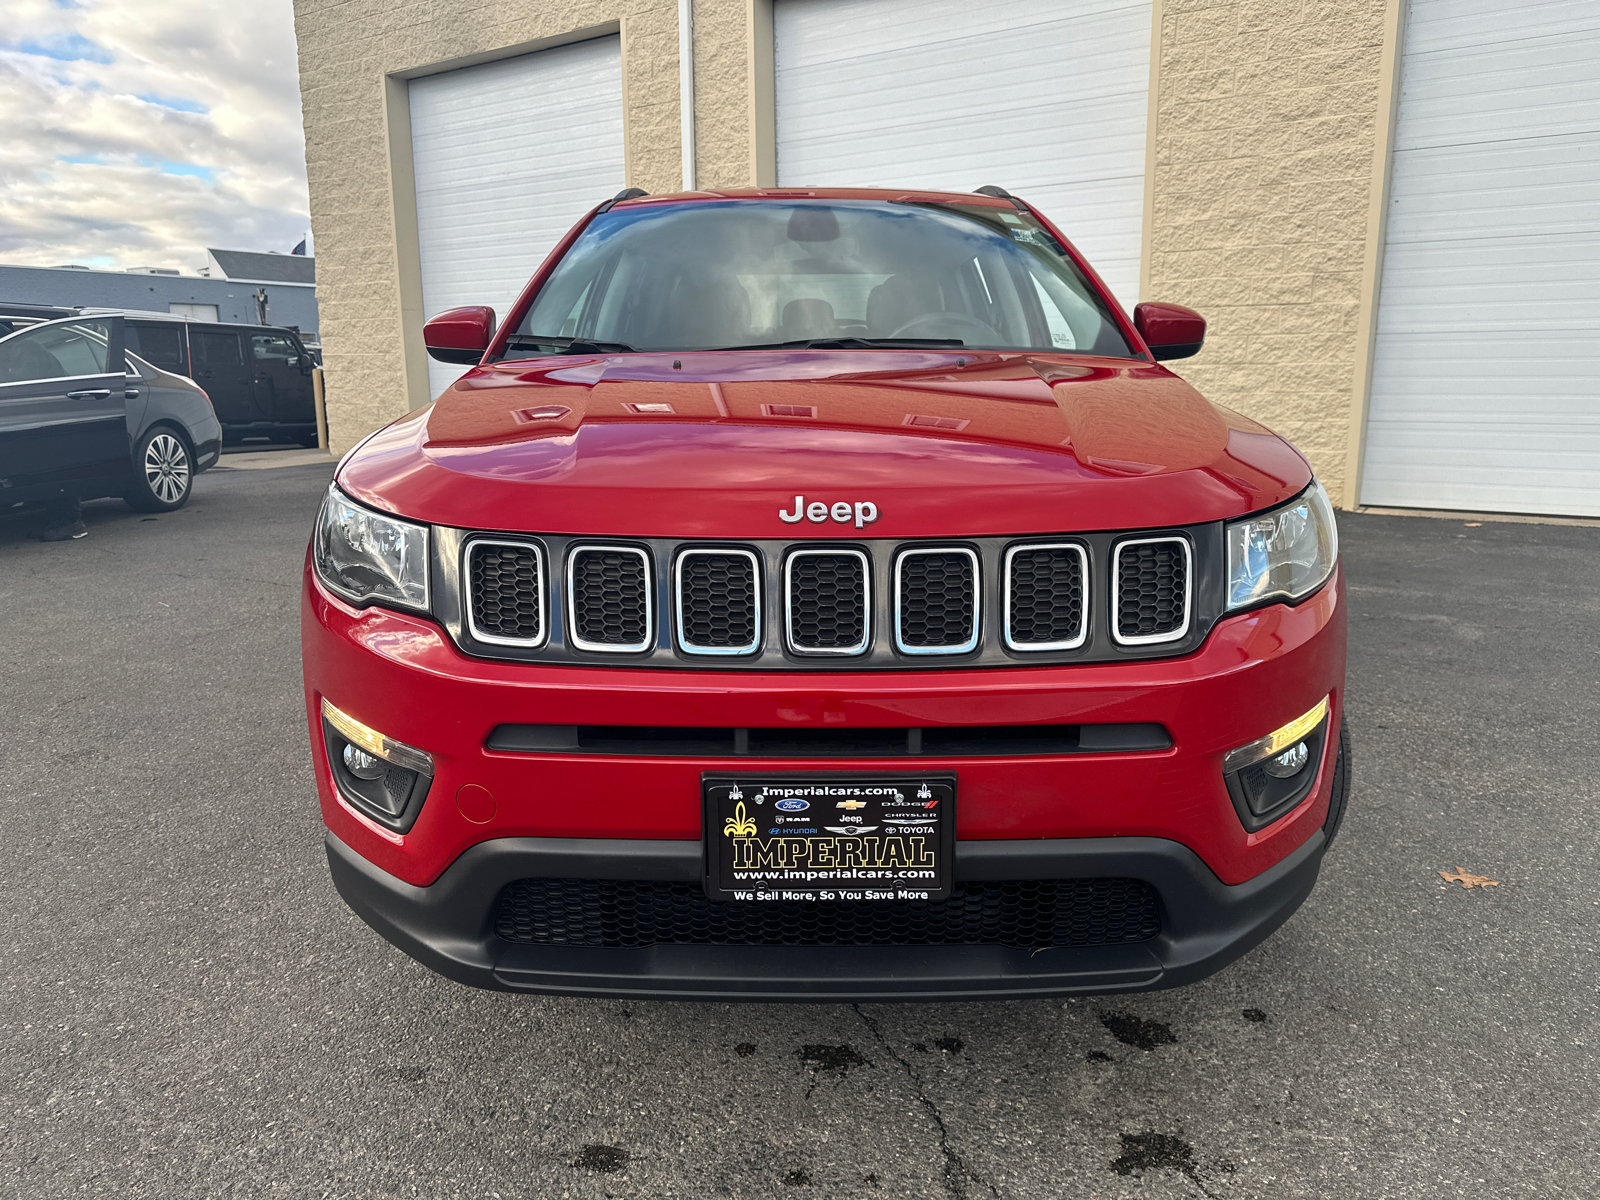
{"x": 862, "y": 512}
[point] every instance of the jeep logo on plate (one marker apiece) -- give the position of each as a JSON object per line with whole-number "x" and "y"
{"x": 863, "y": 512}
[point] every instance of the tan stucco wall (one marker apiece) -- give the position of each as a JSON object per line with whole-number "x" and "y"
{"x": 1271, "y": 116}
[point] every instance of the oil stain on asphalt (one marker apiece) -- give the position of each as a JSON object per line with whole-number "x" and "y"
{"x": 602, "y": 1158}
{"x": 831, "y": 1058}
{"x": 1136, "y": 1031}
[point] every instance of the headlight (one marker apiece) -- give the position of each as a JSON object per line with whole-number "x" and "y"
{"x": 1285, "y": 553}
{"x": 365, "y": 556}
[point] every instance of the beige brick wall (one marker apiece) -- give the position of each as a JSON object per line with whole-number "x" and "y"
{"x": 1262, "y": 213}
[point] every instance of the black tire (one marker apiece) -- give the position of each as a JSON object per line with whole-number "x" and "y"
{"x": 1341, "y": 787}
{"x": 163, "y": 471}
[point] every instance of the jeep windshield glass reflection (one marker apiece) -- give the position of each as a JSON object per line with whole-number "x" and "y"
{"x": 731, "y": 275}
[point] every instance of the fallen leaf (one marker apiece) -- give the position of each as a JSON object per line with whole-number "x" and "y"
{"x": 1466, "y": 879}
{"x": 1474, "y": 524}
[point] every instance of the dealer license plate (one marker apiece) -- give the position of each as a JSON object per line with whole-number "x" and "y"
{"x": 818, "y": 837}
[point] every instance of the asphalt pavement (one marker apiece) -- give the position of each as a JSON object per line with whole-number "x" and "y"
{"x": 188, "y": 1009}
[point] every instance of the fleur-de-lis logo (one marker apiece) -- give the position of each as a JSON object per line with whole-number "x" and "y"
{"x": 923, "y": 793}
{"x": 738, "y": 825}
{"x": 736, "y": 794}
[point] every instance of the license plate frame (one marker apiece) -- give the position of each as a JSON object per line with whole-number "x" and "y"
{"x": 747, "y": 835}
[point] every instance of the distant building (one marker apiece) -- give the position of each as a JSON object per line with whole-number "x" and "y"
{"x": 233, "y": 286}
{"x": 251, "y": 266}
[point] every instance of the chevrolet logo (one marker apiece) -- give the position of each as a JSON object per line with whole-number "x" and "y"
{"x": 851, "y": 804}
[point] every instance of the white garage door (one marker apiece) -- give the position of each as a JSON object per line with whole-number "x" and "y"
{"x": 507, "y": 156}
{"x": 1046, "y": 98}
{"x": 1486, "y": 384}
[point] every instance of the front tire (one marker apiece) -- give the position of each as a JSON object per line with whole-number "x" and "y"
{"x": 1341, "y": 787}
{"x": 163, "y": 472}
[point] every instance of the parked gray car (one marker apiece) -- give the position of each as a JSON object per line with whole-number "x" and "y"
{"x": 81, "y": 418}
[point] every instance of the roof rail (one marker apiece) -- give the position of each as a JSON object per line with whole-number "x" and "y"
{"x": 624, "y": 194}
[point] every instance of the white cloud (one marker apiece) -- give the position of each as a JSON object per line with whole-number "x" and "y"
{"x": 139, "y": 133}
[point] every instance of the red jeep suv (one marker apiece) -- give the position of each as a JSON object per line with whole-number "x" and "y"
{"x": 824, "y": 595}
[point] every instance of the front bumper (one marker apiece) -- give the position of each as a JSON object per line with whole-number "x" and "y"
{"x": 449, "y": 926}
{"x": 1162, "y": 816}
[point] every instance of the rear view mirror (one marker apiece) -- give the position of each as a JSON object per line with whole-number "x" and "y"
{"x": 460, "y": 335}
{"x": 1170, "y": 330}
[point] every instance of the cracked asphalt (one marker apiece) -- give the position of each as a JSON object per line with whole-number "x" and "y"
{"x": 189, "y": 1010}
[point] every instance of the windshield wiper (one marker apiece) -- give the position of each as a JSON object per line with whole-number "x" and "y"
{"x": 571, "y": 345}
{"x": 852, "y": 343}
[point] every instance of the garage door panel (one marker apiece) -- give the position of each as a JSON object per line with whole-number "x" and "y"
{"x": 1538, "y": 88}
{"x": 1486, "y": 371}
{"x": 1048, "y": 101}
{"x": 506, "y": 157}
{"x": 1434, "y": 25}
{"x": 1493, "y": 287}
{"x": 1544, "y": 188}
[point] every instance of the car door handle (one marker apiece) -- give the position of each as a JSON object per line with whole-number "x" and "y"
{"x": 94, "y": 394}
{"x": 130, "y": 393}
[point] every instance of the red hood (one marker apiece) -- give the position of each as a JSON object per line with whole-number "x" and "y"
{"x": 943, "y": 444}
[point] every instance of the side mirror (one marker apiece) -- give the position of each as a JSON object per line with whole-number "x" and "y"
{"x": 460, "y": 335}
{"x": 1170, "y": 330}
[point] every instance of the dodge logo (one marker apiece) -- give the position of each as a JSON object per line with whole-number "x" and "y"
{"x": 863, "y": 512}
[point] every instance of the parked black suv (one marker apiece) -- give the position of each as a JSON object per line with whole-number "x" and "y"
{"x": 258, "y": 376}
{"x": 81, "y": 418}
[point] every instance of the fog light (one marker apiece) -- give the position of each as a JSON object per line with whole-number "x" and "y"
{"x": 1276, "y": 742}
{"x": 1267, "y": 778}
{"x": 378, "y": 745}
{"x": 1289, "y": 763}
{"x": 363, "y": 765}
{"x": 376, "y": 775}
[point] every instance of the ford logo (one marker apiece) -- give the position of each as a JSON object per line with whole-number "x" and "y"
{"x": 792, "y": 805}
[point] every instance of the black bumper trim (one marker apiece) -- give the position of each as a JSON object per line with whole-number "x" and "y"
{"x": 448, "y": 926}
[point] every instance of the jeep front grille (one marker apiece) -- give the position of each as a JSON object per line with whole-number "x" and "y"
{"x": 608, "y": 596}
{"x": 719, "y": 601}
{"x": 824, "y": 606}
{"x": 505, "y": 592}
{"x": 1045, "y": 597}
{"x": 936, "y": 601}
{"x": 1152, "y": 589}
{"x": 829, "y": 602}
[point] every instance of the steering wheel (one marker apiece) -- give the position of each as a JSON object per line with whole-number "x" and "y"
{"x": 938, "y": 323}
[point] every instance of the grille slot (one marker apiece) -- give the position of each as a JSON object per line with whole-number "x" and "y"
{"x": 936, "y": 601}
{"x": 1045, "y": 596}
{"x": 505, "y": 592}
{"x": 608, "y": 596}
{"x": 950, "y": 741}
{"x": 719, "y": 602}
{"x": 828, "y": 599}
{"x": 1027, "y": 914}
{"x": 1152, "y": 582}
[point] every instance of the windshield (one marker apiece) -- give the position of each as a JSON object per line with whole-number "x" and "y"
{"x": 737, "y": 274}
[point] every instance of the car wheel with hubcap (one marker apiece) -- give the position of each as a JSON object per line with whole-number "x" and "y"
{"x": 163, "y": 472}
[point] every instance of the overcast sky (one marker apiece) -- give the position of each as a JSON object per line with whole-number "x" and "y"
{"x": 138, "y": 132}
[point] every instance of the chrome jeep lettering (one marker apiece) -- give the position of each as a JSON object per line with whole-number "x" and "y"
{"x": 862, "y": 512}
